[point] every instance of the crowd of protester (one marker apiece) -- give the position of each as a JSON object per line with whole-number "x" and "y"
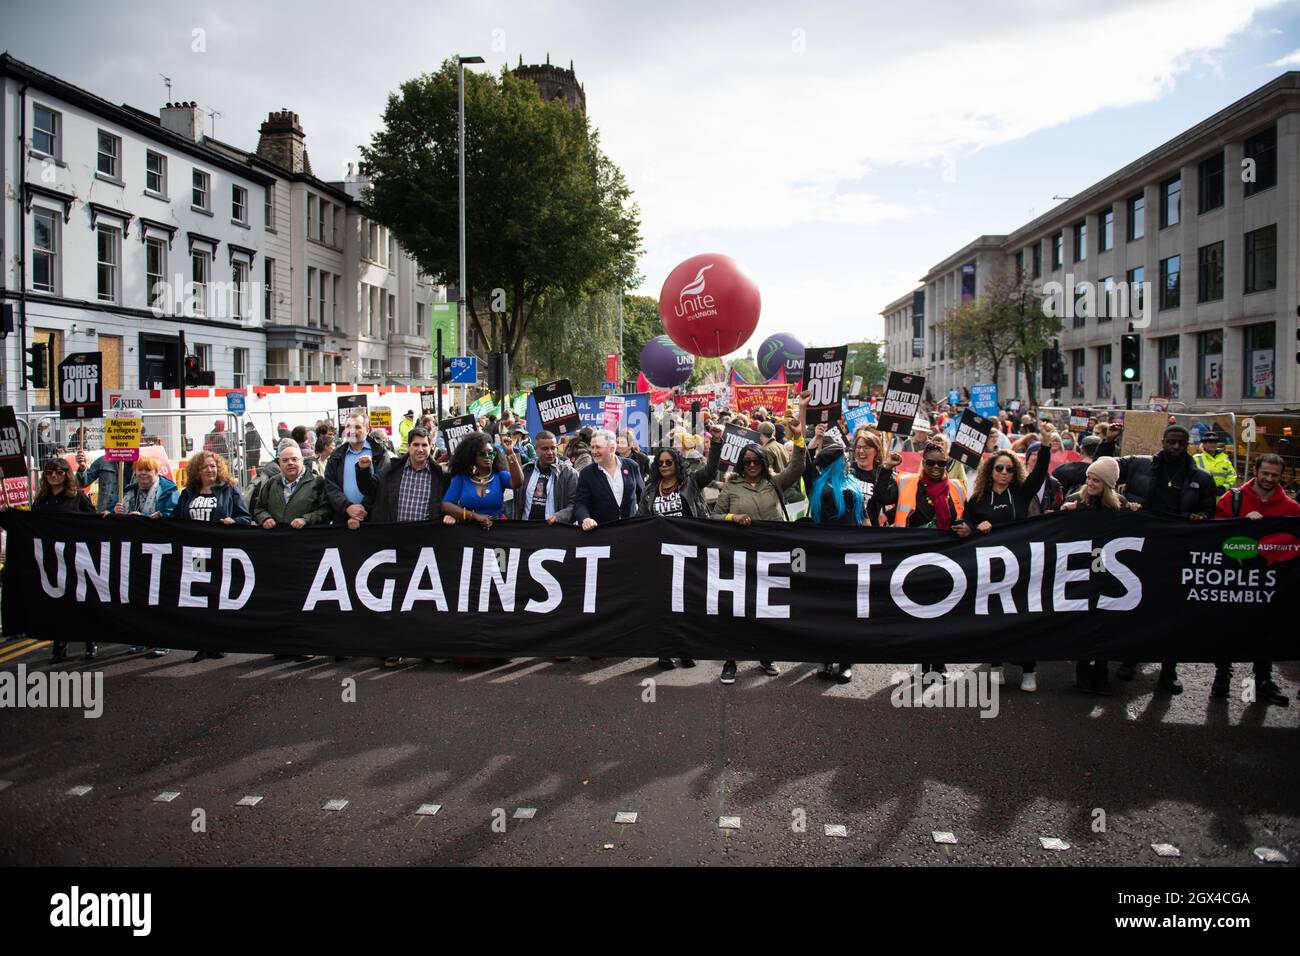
{"x": 595, "y": 477}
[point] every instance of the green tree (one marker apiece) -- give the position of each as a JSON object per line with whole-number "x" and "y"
{"x": 868, "y": 360}
{"x": 641, "y": 323}
{"x": 570, "y": 339}
{"x": 1006, "y": 323}
{"x": 706, "y": 370}
{"x": 747, "y": 368}
{"x": 547, "y": 215}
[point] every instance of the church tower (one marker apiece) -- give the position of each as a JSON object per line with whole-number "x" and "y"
{"x": 554, "y": 82}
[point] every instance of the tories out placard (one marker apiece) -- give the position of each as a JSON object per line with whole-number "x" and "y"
{"x": 823, "y": 377}
{"x": 734, "y": 440}
{"x": 454, "y": 429}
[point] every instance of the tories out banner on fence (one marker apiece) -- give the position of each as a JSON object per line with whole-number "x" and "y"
{"x": 428, "y": 403}
{"x": 823, "y": 376}
{"x": 749, "y": 397}
{"x": 1067, "y": 586}
{"x": 81, "y": 377}
{"x": 454, "y": 429}
{"x": 970, "y": 439}
{"x": 902, "y": 400}
{"x": 555, "y": 407}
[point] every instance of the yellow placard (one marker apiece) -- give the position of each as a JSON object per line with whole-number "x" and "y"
{"x": 122, "y": 433}
{"x": 382, "y": 418}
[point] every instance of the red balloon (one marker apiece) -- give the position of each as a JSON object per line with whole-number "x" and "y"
{"x": 708, "y": 306}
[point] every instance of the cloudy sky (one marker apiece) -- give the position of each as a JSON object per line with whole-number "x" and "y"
{"x": 836, "y": 151}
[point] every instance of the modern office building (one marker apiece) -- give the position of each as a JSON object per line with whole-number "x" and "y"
{"x": 1208, "y": 224}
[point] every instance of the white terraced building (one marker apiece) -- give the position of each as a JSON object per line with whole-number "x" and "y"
{"x": 123, "y": 228}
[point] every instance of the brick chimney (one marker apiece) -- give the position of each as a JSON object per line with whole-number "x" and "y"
{"x": 185, "y": 119}
{"x": 282, "y": 142}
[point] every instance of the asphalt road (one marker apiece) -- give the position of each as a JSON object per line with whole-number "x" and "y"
{"x": 579, "y": 742}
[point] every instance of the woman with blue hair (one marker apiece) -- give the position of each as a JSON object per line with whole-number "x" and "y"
{"x": 835, "y": 498}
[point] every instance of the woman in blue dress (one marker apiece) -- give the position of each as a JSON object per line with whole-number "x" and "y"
{"x": 480, "y": 475}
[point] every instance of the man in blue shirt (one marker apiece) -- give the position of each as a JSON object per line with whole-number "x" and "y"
{"x": 350, "y": 474}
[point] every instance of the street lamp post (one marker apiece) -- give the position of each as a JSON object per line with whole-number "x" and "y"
{"x": 460, "y": 154}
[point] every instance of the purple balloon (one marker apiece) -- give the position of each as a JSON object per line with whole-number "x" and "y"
{"x": 778, "y": 351}
{"x": 664, "y": 364}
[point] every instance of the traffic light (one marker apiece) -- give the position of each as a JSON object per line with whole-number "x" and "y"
{"x": 38, "y": 365}
{"x": 195, "y": 375}
{"x": 444, "y": 373}
{"x": 499, "y": 374}
{"x": 1052, "y": 368}
{"x": 1130, "y": 358}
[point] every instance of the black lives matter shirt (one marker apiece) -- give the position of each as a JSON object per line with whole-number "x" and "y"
{"x": 669, "y": 505}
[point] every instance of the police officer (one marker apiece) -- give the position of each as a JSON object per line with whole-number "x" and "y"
{"x": 1215, "y": 460}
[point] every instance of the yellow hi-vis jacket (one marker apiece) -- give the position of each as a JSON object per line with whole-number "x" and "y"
{"x": 1220, "y": 468}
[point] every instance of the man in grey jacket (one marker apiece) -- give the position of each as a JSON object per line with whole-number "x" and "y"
{"x": 549, "y": 485}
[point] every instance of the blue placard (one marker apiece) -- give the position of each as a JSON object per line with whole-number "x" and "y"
{"x": 464, "y": 369}
{"x": 608, "y": 386}
{"x": 235, "y": 402}
{"x": 954, "y": 396}
{"x": 855, "y": 418}
{"x": 984, "y": 400}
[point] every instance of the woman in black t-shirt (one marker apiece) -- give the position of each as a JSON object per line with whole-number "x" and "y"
{"x": 673, "y": 491}
{"x": 1003, "y": 493}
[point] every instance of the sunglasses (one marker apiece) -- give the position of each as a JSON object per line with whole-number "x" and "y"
{"x": 1003, "y": 469}
{"x": 56, "y": 470}
{"x": 935, "y": 463}
{"x": 750, "y": 461}
{"x": 666, "y": 463}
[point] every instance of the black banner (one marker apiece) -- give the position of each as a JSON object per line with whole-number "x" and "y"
{"x": 1062, "y": 587}
{"x": 556, "y": 407}
{"x": 901, "y": 403}
{"x": 823, "y": 376}
{"x": 971, "y": 439}
{"x": 428, "y": 403}
{"x": 81, "y": 377}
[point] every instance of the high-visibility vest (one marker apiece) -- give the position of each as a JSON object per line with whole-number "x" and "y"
{"x": 907, "y": 486}
{"x": 1220, "y": 468}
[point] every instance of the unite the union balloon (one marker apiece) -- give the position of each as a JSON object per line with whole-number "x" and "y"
{"x": 709, "y": 306}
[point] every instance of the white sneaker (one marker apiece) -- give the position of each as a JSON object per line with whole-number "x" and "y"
{"x": 1029, "y": 682}
{"x": 997, "y": 677}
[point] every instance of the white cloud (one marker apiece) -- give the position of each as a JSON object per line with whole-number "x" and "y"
{"x": 1288, "y": 61}
{"x": 712, "y": 141}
